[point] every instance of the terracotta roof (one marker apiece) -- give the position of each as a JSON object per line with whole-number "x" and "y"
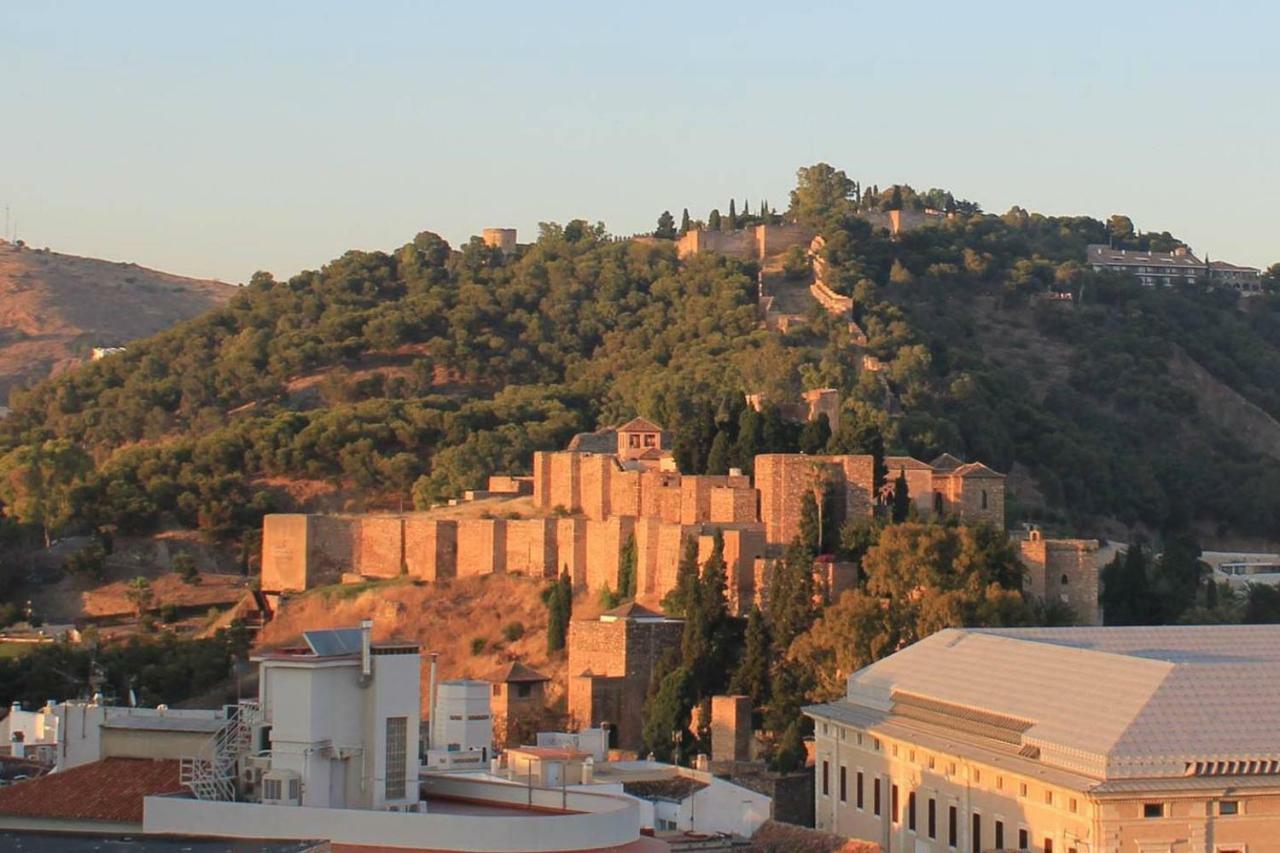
{"x": 517, "y": 672}
{"x": 633, "y": 610}
{"x": 639, "y": 425}
{"x": 946, "y": 462}
{"x": 976, "y": 469}
{"x": 109, "y": 790}
{"x": 898, "y": 463}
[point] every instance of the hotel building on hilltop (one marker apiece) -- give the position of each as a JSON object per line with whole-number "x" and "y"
{"x": 1061, "y": 740}
{"x": 1169, "y": 268}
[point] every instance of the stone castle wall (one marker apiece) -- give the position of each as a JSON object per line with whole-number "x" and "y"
{"x": 1066, "y": 570}
{"x": 749, "y": 244}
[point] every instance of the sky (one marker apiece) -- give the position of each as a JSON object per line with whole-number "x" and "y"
{"x": 218, "y": 139}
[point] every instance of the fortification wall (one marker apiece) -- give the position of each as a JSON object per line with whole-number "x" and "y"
{"x": 430, "y": 548}
{"x": 742, "y": 547}
{"x": 284, "y": 553}
{"x": 605, "y": 540}
{"x": 625, "y": 492}
{"x": 1065, "y": 570}
{"x": 740, "y": 243}
{"x": 531, "y": 546}
{"x": 482, "y": 546}
{"x": 379, "y": 546}
{"x": 595, "y": 487}
{"x": 733, "y": 505}
{"x": 571, "y": 549}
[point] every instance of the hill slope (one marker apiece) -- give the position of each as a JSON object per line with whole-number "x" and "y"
{"x": 54, "y": 308}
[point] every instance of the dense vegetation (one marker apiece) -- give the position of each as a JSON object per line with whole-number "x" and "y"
{"x": 409, "y": 376}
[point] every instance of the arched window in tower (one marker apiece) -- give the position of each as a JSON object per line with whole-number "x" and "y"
{"x": 1065, "y": 580}
{"x": 984, "y": 498}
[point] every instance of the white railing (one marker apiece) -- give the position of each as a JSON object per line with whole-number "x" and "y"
{"x": 213, "y": 774}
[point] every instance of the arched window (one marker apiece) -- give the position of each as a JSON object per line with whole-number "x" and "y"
{"x": 984, "y": 498}
{"x": 1065, "y": 580}
{"x": 937, "y": 502}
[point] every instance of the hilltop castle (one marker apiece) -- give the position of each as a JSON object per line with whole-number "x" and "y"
{"x": 607, "y": 488}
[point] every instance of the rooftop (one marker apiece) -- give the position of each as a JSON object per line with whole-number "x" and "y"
{"x": 108, "y": 790}
{"x": 1101, "y": 254}
{"x": 516, "y": 673}
{"x": 550, "y": 753}
{"x": 164, "y": 723}
{"x": 45, "y": 842}
{"x": 631, "y": 610}
{"x": 639, "y": 425}
{"x": 1107, "y": 702}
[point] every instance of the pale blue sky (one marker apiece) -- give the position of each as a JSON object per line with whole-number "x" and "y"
{"x": 218, "y": 139}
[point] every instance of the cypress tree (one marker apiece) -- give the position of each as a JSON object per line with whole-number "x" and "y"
{"x": 751, "y": 678}
{"x": 901, "y": 498}
{"x": 733, "y": 216}
{"x": 684, "y": 596}
{"x": 810, "y": 534}
{"x": 685, "y": 223}
{"x": 713, "y": 220}
{"x": 815, "y": 435}
{"x": 558, "y": 598}
{"x": 750, "y": 429}
{"x": 627, "y": 569}
{"x": 718, "y": 457}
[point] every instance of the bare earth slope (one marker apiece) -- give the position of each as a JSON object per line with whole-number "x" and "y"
{"x": 54, "y": 308}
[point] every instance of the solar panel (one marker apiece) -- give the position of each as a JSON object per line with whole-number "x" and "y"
{"x": 336, "y": 641}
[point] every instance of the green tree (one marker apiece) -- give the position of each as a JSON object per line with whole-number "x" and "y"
{"x": 901, "y": 498}
{"x": 895, "y": 199}
{"x": 38, "y": 483}
{"x": 184, "y": 564}
{"x": 666, "y": 229}
{"x": 683, "y": 597}
{"x": 733, "y": 216}
{"x": 1126, "y": 588}
{"x": 815, "y": 435}
{"x": 751, "y": 678}
{"x": 718, "y": 457}
{"x": 713, "y": 220}
{"x": 1120, "y": 228}
{"x": 1261, "y": 604}
{"x": 685, "y": 223}
{"x": 140, "y": 594}
{"x": 790, "y": 754}
{"x": 558, "y": 598}
{"x": 627, "y": 569}
{"x": 821, "y": 195}
{"x": 666, "y": 717}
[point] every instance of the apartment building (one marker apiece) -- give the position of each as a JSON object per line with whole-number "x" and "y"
{"x": 1059, "y": 740}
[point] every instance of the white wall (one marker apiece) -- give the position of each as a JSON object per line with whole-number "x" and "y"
{"x": 601, "y": 822}
{"x": 468, "y": 702}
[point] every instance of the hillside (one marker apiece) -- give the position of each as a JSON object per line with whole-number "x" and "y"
{"x": 402, "y": 378}
{"x": 55, "y": 308}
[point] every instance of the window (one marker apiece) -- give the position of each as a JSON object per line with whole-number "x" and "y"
{"x": 895, "y": 750}
{"x": 650, "y": 440}
{"x": 1048, "y": 845}
{"x": 911, "y": 756}
{"x": 497, "y": 690}
{"x": 1022, "y": 789}
{"x": 1073, "y": 806}
{"x": 951, "y": 768}
{"x": 524, "y": 691}
{"x": 999, "y": 835}
{"x": 893, "y": 802}
{"x": 270, "y": 789}
{"x": 911, "y": 811}
{"x": 930, "y": 762}
{"x": 977, "y": 775}
{"x": 397, "y": 728}
{"x": 976, "y": 835}
{"x": 844, "y": 788}
{"x": 999, "y": 783}
{"x": 984, "y": 498}
{"x": 295, "y": 789}
{"x": 633, "y": 440}
{"x": 826, "y": 778}
{"x": 1228, "y": 807}
{"x": 1048, "y": 798}
{"x": 933, "y": 818}
{"x": 1153, "y": 809}
{"x": 859, "y": 791}
{"x": 875, "y": 797}
{"x": 824, "y": 728}
{"x": 953, "y": 826}
{"x": 1024, "y": 839}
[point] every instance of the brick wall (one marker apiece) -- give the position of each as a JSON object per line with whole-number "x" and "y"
{"x": 730, "y": 728}
{"x": 482, "y": 546}
{"x": 431, "y": 548}
{"x": 380, "y": 543}
{"x": 531, "y": 546}
{"x": 733, "y": 505}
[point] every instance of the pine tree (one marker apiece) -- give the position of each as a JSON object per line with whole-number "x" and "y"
{"x": 895, "y": 199}
{"x": 685, "y": 223}
{"x": 733, "y": 216}
{"x": 901, "y": 498}
{"x": 666, "y": 229}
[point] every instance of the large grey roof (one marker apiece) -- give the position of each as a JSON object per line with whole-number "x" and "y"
{"x": 1106, "y": 702}
{"x": 1099, "y": 253}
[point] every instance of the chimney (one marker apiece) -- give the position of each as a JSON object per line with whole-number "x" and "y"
{"x": 431, "y": 700}
{"x": 366, "y": 642}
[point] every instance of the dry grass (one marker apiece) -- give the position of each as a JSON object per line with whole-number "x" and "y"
{"x": 444, "y": 618}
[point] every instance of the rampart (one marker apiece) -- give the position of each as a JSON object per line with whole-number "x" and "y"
{"x": 1065, "y": 570}
{"x": 749, "y": 244}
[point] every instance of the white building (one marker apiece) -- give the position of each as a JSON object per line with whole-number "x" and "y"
{"x": 460, "y": 735}
{"x": 341, "y": 722}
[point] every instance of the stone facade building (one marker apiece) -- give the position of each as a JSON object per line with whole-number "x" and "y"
{"x": 1068, "y": 571}
{"x": 518, "y": 698}
{"x": 611, "y": 659}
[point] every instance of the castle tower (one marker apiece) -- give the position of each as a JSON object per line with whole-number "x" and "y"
{"x": 500, "y": 238}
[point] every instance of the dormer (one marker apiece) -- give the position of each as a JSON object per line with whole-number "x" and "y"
{"x": 639, "y": 437}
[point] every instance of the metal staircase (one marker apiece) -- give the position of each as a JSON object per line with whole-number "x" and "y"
{"x": 213, "y": 774}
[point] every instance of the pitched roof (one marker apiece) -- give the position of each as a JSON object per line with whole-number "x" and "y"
{"x": 108, "y": 790}
{"x": 639, "y": 425}
{"x": 517, "y": 672}
{"x": 977, "y": 469}
{"x": 1102, "y": 254}
{"x": 633, "y": 610}
{"x": 946, "y": 462}
{"x": 1109, "y": 702}
{"x": 600, "y": 441}
{"x": 899, "y": 463}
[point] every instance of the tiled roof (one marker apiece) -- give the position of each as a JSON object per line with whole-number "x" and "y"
{"x": 600, "y": 441}
{"x": 639, "y": 425}
{"x": 108, "y": 790}
{"x": 894, "y": 464}
{"x": 976, "y": 469}
{"x": 633, "y": 610}
{"x": 1112, "y": 702}
{"x": 517, "y": 672}
{"x": 1100, "y": 254}
{"x": 946, "y": 462}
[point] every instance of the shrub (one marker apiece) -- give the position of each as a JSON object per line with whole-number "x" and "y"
{"x": 513, "y": 631}
{"x": 185, "y": 565}
{"x": 478, "y": 645}
{"x": 89, "y": 562}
